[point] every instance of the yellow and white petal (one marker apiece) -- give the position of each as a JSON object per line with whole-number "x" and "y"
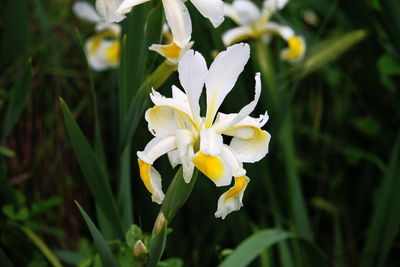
{"x": 252, "y": 149}
{"x": 236, "y": 166}
{"x": 157, "y": 147}
{"x": 174, "y": 159}
{"x": 239, "y": 129}
{"x": 211, "y": 9}
{"x": 210, "y": 142}
{"x": 214, "y": 167}
{"x": 237, "y": 34}
{"x": 223, "y": 125}
{"x": 246, "y": 11}
{"x": 179, "y": 21}
{"x": 172, "y": 52}
{"x": 222, "y": 76}
{"x": 127, "y": 5}
{"x": 277, "y": 29}
{"x": 85, "y": 11}
{"x": 193, "y": 72}
{"x": 185, "y": 140}
{"x": 161, "y": 121}
{"x": 296, "y": 50}
{"x": 107, "y": 10}
{"x": 152, "y": 181}
{"x": 101, "y": 52}
{"x": 231, "y": 200}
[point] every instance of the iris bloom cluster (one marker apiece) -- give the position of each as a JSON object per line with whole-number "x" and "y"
{"x": 178, "y": 20}
{"x": 103, "y": 48}
{"x": 194, "y": 141}
{"x": 255, "y": 23}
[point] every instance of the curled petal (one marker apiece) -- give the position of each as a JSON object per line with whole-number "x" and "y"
{"x": 231, "y": 200}
{"x": 214, "y": 167}
{"x": 211, "y": 9}
{"x": 157, "y": 147}
{"x": 152, "y": 181}
{"x": 237, "y": 34}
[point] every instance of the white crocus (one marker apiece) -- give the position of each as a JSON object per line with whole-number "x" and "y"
{"x": 103, "y": 48}
{"x": 255, "y": 23}
{"x": 211, "y": 9}
{"x": 196, "y": 142}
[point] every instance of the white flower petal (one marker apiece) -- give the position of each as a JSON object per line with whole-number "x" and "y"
{"x": 236, "y": 166}
{"x": 152, "y": 181}
{"x": 172, "y": 52}
{"x": 193, "y": 71}
{"x": 127, "y": 5}
{"x": 161, "y": 121}
{"x": 101, "y": 52}
{"x": 214, "y": 167}
{"x": 174, "y": 159}
{"x": 237, "y": 34}
{"x": 85, "y": 11}
{"x": 274, "y": 28}
{"x": 273, "y": 5}
{"x": 179, "y": 21}
{"x": 185, "y": 140}
{"x": 210, "y": 142}
{"x": 222, "y": 76}
{"x": 252, "y": 149}
{"x": 247, "y": 12}
{"x": 211, "y": 9}
{"x": 107, "y": 10}
{"x": 157, "y": 147}
{"x": 231, "y": 200}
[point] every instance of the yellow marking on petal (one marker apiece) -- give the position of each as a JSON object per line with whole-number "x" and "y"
{"x": 210, "y": 166}
{"x": 144, "y": 169}
{"x": 186, "y": 116}
{"x": 113, "y": 52}
{"x": 296, "y": 48}
{"x": 211, "y": 109}
{"x": 172, "y": 51}
{"x": 240, "y": 183}
{"x": 95, "y": 41}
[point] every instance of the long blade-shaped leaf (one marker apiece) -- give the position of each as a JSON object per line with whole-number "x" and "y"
{"x": 249, "y": 249}
{"x": 104, "y": 250}
{"x": 19, "y": 96}
{"x": 93, "y": 173}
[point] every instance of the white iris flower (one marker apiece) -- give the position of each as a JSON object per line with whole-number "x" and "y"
{"x": 103, "y": 48}
{"x": 178, "y": 19}
{"x": 195, "y": 141}
{"x": 255, "y": 23}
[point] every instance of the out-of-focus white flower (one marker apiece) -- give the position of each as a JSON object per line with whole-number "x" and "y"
{"x": 255, "y": 23}
{"x": 196, "y": 142}
{"x": 103, "y": 48}
{"x": 104, "y": 15}
{"x": 211, "y": 9}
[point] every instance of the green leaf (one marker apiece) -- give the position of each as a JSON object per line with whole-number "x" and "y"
{"x": 93, "y": 173}
{"x": 385, "y": 221}
{"x": 172, "y": 262}
{"x": 157, "y": 246}
{"x": 250, "y": 248}
{"x": 6, "y": 152}
{"x": 42, "y": 247}
{"x": 19, "y": 97}
{"x": 106, "y": 255}
{"x": 134, "y": 234}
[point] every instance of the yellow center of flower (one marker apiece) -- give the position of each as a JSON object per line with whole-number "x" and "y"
{"x": 144, "y": 169}
{"x": 240, "y": 183}
{"x": 295, "y": 48}
{"x": 210, "y": 166}
{"x": 112, "y": 53}
{"x": 172, "y": 51}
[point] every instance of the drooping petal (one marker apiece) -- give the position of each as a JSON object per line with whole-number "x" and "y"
{"x": 222, "y": 76}
{"x": 172, "y": 52}
{"x": 152, "y": 181}
{"x": 214, "y": 167}
{"x": 157, "y": 147}
{"x": 179, "y": 21}
{"x": 210, "y": 142}
{"x": 85, "y": 11}
{"x": 237, "y": 34}
{"x": 161, "y": 121}
{"x": 223, "y": 125}
{"x": 211, "y": 9}
{"x": 246, "y": 12}
{"x": 231, "y": 200}
{"x": 127, "y": 5}
{"x": 107, "y": 10}
{"x": 296, "y": 50}
{"x": 193, "y": 71}
{"x": 185, "y": 140}
{"x": 236, "y": 166}
{"x": 251, "y": 149}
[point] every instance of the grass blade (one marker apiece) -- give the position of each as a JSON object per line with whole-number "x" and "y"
{"x": 104, "y": 250}
{"x": 93, "y": 173}
{"x": 19, "y": 97}
{"x": 250, "y": 248}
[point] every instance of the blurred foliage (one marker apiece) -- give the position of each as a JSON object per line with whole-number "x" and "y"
{"x": 330, "y": 178}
